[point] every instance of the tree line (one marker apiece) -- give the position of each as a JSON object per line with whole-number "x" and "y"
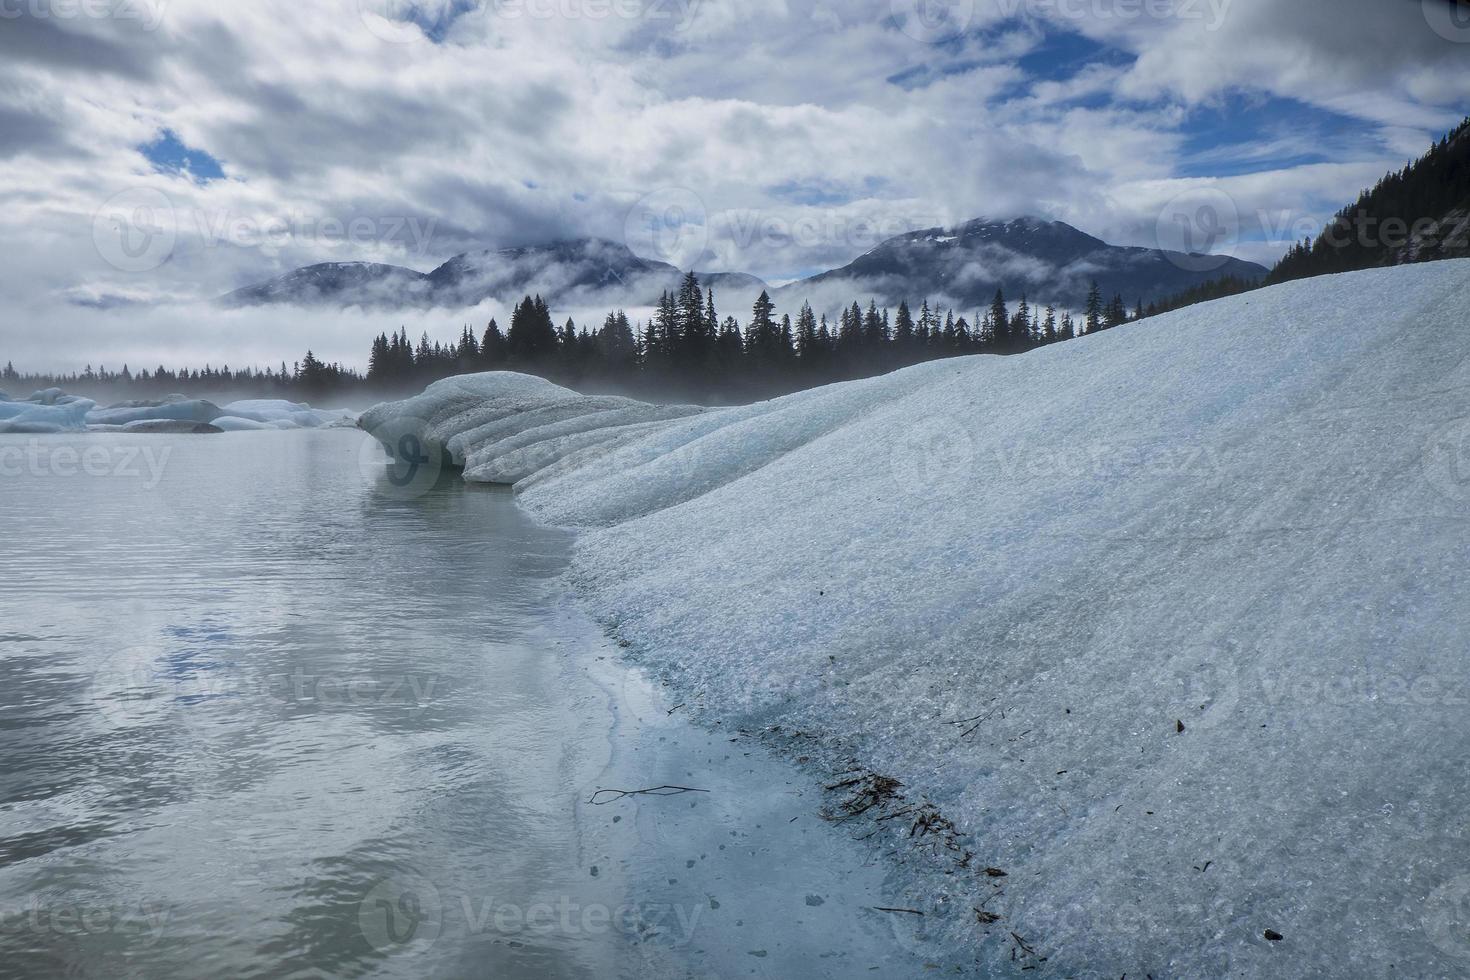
{"x": 309, "y": 377}
{"x": 686, "y": 348}
{"x": 1418, "y": 214}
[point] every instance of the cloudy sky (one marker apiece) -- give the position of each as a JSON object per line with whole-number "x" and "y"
{"x": 158, "y": 153}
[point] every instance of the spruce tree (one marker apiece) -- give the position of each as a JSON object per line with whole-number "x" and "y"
{"x": 1094, "y": 311}
{"x": 1000, "y": 322}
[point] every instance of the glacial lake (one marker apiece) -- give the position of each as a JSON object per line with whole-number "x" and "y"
{"x": 264, "y": 714}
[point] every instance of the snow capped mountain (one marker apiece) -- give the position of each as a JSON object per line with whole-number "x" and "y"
{"x": 1048, "y": 260}
{"x": 957, "y": 267}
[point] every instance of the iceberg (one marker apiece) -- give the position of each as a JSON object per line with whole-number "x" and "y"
{"x": 45, "y": 413}
{"x": 175, "y": 408}
{"x": 1167, "y": 622}
{"x": 233, "y": 423}
{"x": 54, "y": 411}
{"x": 171, "y": 427}
{"x": 277, "y": 413}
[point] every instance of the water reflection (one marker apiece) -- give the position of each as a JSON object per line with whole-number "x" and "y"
{"x": 235, "y": 702}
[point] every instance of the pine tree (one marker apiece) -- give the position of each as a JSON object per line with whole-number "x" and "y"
{"x": 492, "y": 347}
{"x": 732, "y": 345}
{"x": 1094, "y": 312}
{"x": 1000, "y": 322}
{"x": 1021, "y": 333}
{"x": 806, "y": 335}
{"x": 903, "y": 329}
{"x": 761, "y": 336}
{"x": 686, "y": 343}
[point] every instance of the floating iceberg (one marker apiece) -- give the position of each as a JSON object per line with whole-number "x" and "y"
{"x": 1169, "y": 621}
{"x": 233, "y": 423}
{"x": 46, "y": 412}
{"x": 172, "y": 426}
{"x": 175, "y": 408}
{"x": 276, "y": 413}
{"x": 52, "y": 411}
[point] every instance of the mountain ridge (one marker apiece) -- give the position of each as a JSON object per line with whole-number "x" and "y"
{"x": 960, "y": 266}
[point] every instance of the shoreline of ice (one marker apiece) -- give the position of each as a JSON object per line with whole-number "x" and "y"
{"x": 1164, "y": 619}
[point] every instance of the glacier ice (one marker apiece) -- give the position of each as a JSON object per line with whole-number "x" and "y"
{"x": 179, "y": 410}
{"x": 50, "y": 414}
{"x": 1195, "y": 586}
{"x": 53, "y": 411}
{"x": 278, "y": 413}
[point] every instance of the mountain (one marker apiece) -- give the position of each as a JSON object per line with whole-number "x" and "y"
{"x": 960, "y": 268}
{"x": 1050, "y": 261}
{"x": 576, "y": 272}
{"x": 583, "y": 272}
{"x": 365, "y": 284}
{"x": 1418, "y": 214}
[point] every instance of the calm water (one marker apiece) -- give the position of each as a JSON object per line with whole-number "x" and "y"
{"x": 262, "y": 716}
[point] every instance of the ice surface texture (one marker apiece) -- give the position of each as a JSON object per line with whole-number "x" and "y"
{"x": 1200, "y": 580}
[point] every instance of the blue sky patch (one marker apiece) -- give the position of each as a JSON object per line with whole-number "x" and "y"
{"x": 436, "y": 25}
{"x": 169, "y": 155}
{"x": 1241, "y": 135}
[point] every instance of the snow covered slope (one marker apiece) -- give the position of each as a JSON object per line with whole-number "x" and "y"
{"x": 1171, "y": 620}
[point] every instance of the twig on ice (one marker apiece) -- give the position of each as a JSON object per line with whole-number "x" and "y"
{"x": 618, "y": 794}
